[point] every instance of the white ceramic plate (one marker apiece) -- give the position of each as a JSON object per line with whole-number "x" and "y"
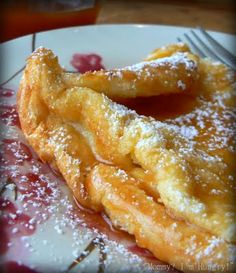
{"x": 118, "y": 45}
{"x": 41, "y": 227}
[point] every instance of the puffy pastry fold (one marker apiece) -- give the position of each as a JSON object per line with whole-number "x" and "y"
{"x": 175, "y": 242}
{"x": 142, "y": 172}
{"x": 168, "y": 50}
{"x": 148, "y": 78}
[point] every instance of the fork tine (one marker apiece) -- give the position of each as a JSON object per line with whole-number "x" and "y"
{"x": 194, "y": 46}
{"x": 179, "y": 40}
{"x": 207, "y": 49}
{"x": 223, "y": 51}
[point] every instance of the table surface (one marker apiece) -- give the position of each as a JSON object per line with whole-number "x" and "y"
{"x": 215, "y": 15}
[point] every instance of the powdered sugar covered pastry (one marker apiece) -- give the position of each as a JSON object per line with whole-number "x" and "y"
{"x": 154, "y": 179}
{"x": 166, "y": 51}
{"x": 148, "y": 78}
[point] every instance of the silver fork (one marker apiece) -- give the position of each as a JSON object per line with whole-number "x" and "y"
{"x": 209, "y": 48}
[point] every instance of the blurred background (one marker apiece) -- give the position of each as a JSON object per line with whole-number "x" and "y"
{"x": 211, "y": 14}
{"x": 20, "y": 17}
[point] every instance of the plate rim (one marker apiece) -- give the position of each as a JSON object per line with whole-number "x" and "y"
{"x": 110, "y": 25}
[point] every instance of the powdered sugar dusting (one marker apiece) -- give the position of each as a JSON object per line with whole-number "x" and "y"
{"x": 173, "y": 61}
{"x": 216, "y": 116}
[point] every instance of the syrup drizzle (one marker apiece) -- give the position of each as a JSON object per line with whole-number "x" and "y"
{"x": 9, "y": 116}
{"x": 14, "y": 267}
{"x": 5, "y": 92}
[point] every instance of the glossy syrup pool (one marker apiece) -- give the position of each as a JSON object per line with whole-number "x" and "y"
{"x": 162, "y": 107}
